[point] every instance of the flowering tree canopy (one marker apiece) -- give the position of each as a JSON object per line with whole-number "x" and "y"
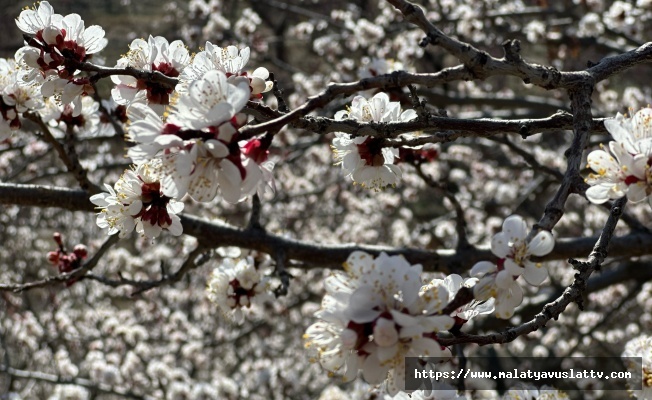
{"x": 321, "y": 190}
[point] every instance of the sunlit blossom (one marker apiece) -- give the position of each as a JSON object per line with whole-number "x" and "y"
{"x": 623, "y": 170}
{"x": 232, "y": 62}
{"x": 153, "y": 55}
{"x": 55, "y": 41}
{"x": 513, "y": 251}
{"x": 374, "y": 315}
{"x": 640, "y": 346}
{"x": 136, "y": 201}
{"x": 235, "y": 286}
{"x": 364, "y": 158}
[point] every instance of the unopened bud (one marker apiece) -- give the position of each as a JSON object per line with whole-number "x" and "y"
{"x": 53, "y": 257}
{"x": 80, "y": 251}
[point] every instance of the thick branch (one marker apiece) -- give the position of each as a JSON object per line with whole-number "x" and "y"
{"x": 481, "y": 65}
{"x": 435, "y": 129}
{"x": 214, "y": 234}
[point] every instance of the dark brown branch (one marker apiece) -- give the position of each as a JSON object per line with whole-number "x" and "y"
{"x": 100, "y": 72}
{"x": 214, "y": 234}
{"x": 582, "y": 124}
{"x": 481, "y": 65}
{"x": 395, "y": 79}
{"x": 436, "y": 129}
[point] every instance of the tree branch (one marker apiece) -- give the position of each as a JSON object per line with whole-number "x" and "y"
{"x": 214, "y": 234}
{"x": 66, "y": 277}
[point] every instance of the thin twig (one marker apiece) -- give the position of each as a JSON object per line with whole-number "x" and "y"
{"x": 278, "y": 93}
{"x": 68, "y": 276}
{"x": 460, "y": 222}
{"x": 196, "y": 258}
{"x": 67, "y": 154}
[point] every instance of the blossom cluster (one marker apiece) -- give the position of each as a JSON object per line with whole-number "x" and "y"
{"x": 513, "y": 249}
{"x": 187, "y": 139}
{"x": 377, "y": 312}
{"x": 235, "y": 286}
{"x": 624, "y": 169}
{"x": 153, "y": 55}
{"x": 198, "y": 144}
{"x": 56, "y": 47}
{"x": 15, "y": 97}
{"x": 232, "y": 62}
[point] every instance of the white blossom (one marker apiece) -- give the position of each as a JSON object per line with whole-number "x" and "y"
{"x": 16, "y": 98}
{"x": 232, "y": 62}
{"x": 234, "y": 287}
{"x": 364, "y": 158}
{"x": 640, "y": 346}
{"x": 624, "y": 170}
{"x": 513, "y": 251}
{"x": 155, "y": 54}
{"x": 136, "y": 201}
{"x": 374, "y": 315}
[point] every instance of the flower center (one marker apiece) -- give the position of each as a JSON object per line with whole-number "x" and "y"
{"x": 371, "y": 152}
{"x": 158, "y": 93}
{"x": 241, "y": 296}
{"x": 154, "y": 208}
{"x": 67, "y": 118}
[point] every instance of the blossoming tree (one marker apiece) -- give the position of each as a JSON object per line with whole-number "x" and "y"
{"x": 288, "y": 200}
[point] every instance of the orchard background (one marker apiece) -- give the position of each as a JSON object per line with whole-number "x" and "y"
{"x": 510, "y": 98}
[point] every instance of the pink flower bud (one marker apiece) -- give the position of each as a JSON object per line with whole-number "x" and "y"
{"x": 80, "y": 251}
{"x": 53, "y": 257}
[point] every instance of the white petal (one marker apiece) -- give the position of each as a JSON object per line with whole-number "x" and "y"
{"x": 599, "y": 194}
{"x": 515, "y": 228}
{"x": 535, "y": 273}
{"x": 542, "y": 244}
{"x": 373, "y": 372}
{"x": 482, "y": 268}
{"x": 500, "y": 245}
